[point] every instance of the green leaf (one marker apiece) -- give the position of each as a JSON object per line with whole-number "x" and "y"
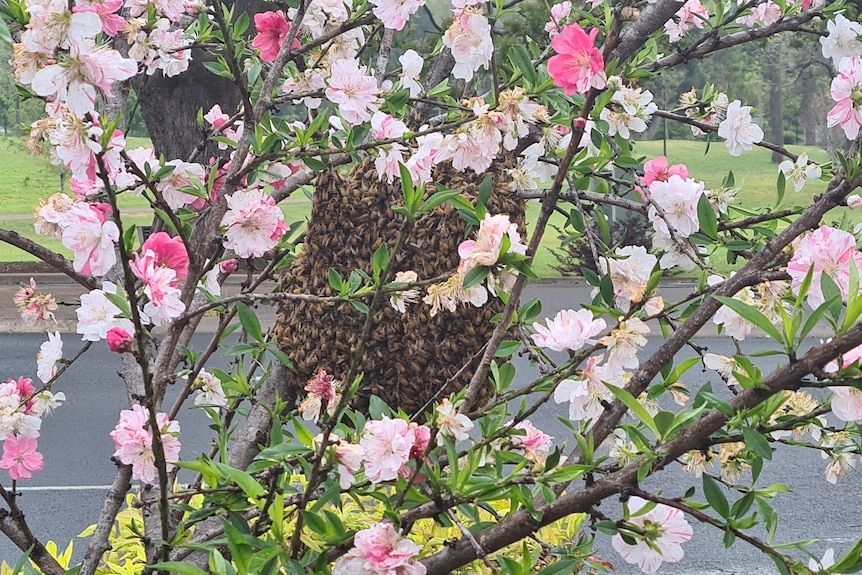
{"x": 507, "y": 348}
{"x": 715, "y": 496}
{"x": 567, "y": 474}
{"x": 476, "y": 276}
{"x": 757, "y": 443}
{"x": 438, "y": 198}
{"x": 561, "y": 567}
{"x": 336, "y": 282}
{"x": 5, "y": 36}
{"x": 249, "y": 485}
{"x": 706, "y": 217}
{"x": 180, "y": 567}
{"x": 634, "y": 405}
{"x": 753, "y": 315}
{"x": 380, "y": 259}
{"x": 249, "y": 321}
{"x": 781, "y": 185}
{"x": 850, "y": 562}
{"x": 521, "y": 60}
{"x": 831, "y": 293}
{"x": 313, "y": 163}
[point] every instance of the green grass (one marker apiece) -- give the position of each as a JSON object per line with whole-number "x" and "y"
{"x": 24, "y": 179}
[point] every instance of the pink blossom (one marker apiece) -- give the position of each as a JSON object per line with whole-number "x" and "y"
{"x": 272, "y": 30}
{"x": 843, "y": 39}
{"x": 321, "y": 388}
{"x": 469, "y": 39}
{"x": 185, "y": 175}
{"x": 168, "y": 252}
{"x": 20, "y": 457}
{"x": 693, "y": 14}
{"x": 623, "y": 345}
{"x": 210, "y": 390}
{"x": 387, "y": 444}
{"x": 254, "y": 223}
{"x": 218, "y": 119}
{"x": 395, "y": 13}
{"x": 847, "y": 404}
{"x": 536, "y": 443}
{"x": 379, "y": 550}
{"x": 485, "y": 249}
{"x": 91, "y": 237}
{"x": 825, "y": 251}
{"x": 389, "y": 156}
{"x": 353, "y": 90}
{"x": 51, "y": 215}
{"x": 350, "y": 457}
{"x": 847, "y": 91}
{"x": 657, "y": 169}
{"x": 577, "y": 65}
{"x": 663, "y": 531}
{"x": 97, "y": 314}
{"x": 112, "y": 23}
{"x": 569, "y": 330}
{"x": 559, "y": 13}
{"x": 119, "y": 340}
{"x": 585, "y": 394}
{"x": 452, "y": 423}
{"x": 33, "y": 306}
{"x": 133, "y": 440}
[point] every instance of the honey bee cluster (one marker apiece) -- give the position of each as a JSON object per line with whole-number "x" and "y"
{"x": 408, "y": 357}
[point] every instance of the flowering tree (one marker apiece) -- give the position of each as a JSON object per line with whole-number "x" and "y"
{"x": 457, "y": 136}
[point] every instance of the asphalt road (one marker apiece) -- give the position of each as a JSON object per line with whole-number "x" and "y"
{"x": 66, "y": 496}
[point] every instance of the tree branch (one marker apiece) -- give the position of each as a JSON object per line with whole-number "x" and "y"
{"x": 50, "y": 257}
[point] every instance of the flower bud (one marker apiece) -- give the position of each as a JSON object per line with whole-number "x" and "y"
{"x": 228, "y": 266}
{"x": 119, "y": 340}
{"x": 854, "y": 202}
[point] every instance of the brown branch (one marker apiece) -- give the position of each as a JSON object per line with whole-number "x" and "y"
{"x": 715, "y": 43}
{"x": 113, "y": 502}
{"x": 50, "y": 257}
{"x": 14, "y": 526}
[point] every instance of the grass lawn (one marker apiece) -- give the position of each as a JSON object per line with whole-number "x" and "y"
{"x": 24, "y": 179}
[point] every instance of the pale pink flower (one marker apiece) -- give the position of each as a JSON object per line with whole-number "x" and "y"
{"x": 44, "y": 403}
{"x": 568, "y": 330}
{"x": 254, "y": 223}
{"x": 664, "y": 530}
{"x": 389, "y": 156}
{"x": 825, "y": 251}
{"x": 350, "y": 457}
{"x": 162, "y": 288}
{"x": 738, "y": 129}
{"x": 272, "y": 30}
{"x": 324, "y": 16}
{"x": 20, "y": 457}
{"x": 33, "y": 306}
{"x": 842, "y": 462}
{"x": 395, "y": 13}
{"x": 399, "y": 300}
{"x": 842, "y": 40}
{"x": 485, "y": 249}
{"x": 559, "y": 13}
{"x": 537, "y": 444}
{"x": 624, "y": 343}
{"x": 452, "y": 423}
{"x": 411, "y": 68}
{"x": 228, "y": 266}
{"x": 469, "y": 39}
{"x": 184, "y": 175}
{"x": 210, "y": 391}
{"x": 800, "y": 171}
{"x": 97, "y": 314}
{"x": 629, "y": 273}
{"x": 73, "y": 80}
{"x": 678, "y": 199}
{"x": 133, "y": 440}
{"x": 379, "y": 550}
{"x": 854, "y": 201}
{"x": 49, "y": 354}
{"x": 693, "y": 14}
{"x": 353, "y": 90}
{"x": 119, "y": 340}
{"x": 577, "y": 65}
{"x": 387, "y": 444}
{"x": 51, "y": 215}
{"x": 765, "y": 13}
{"x": 53, "y": 26}
{"x": 586, "y": 394}
{"x": 829, "y": 557}
{"x": 846, "y": 90}
{"x": 91, "y": 237}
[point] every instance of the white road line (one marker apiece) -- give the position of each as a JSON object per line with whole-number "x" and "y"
{"x": 65, "y": 488}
